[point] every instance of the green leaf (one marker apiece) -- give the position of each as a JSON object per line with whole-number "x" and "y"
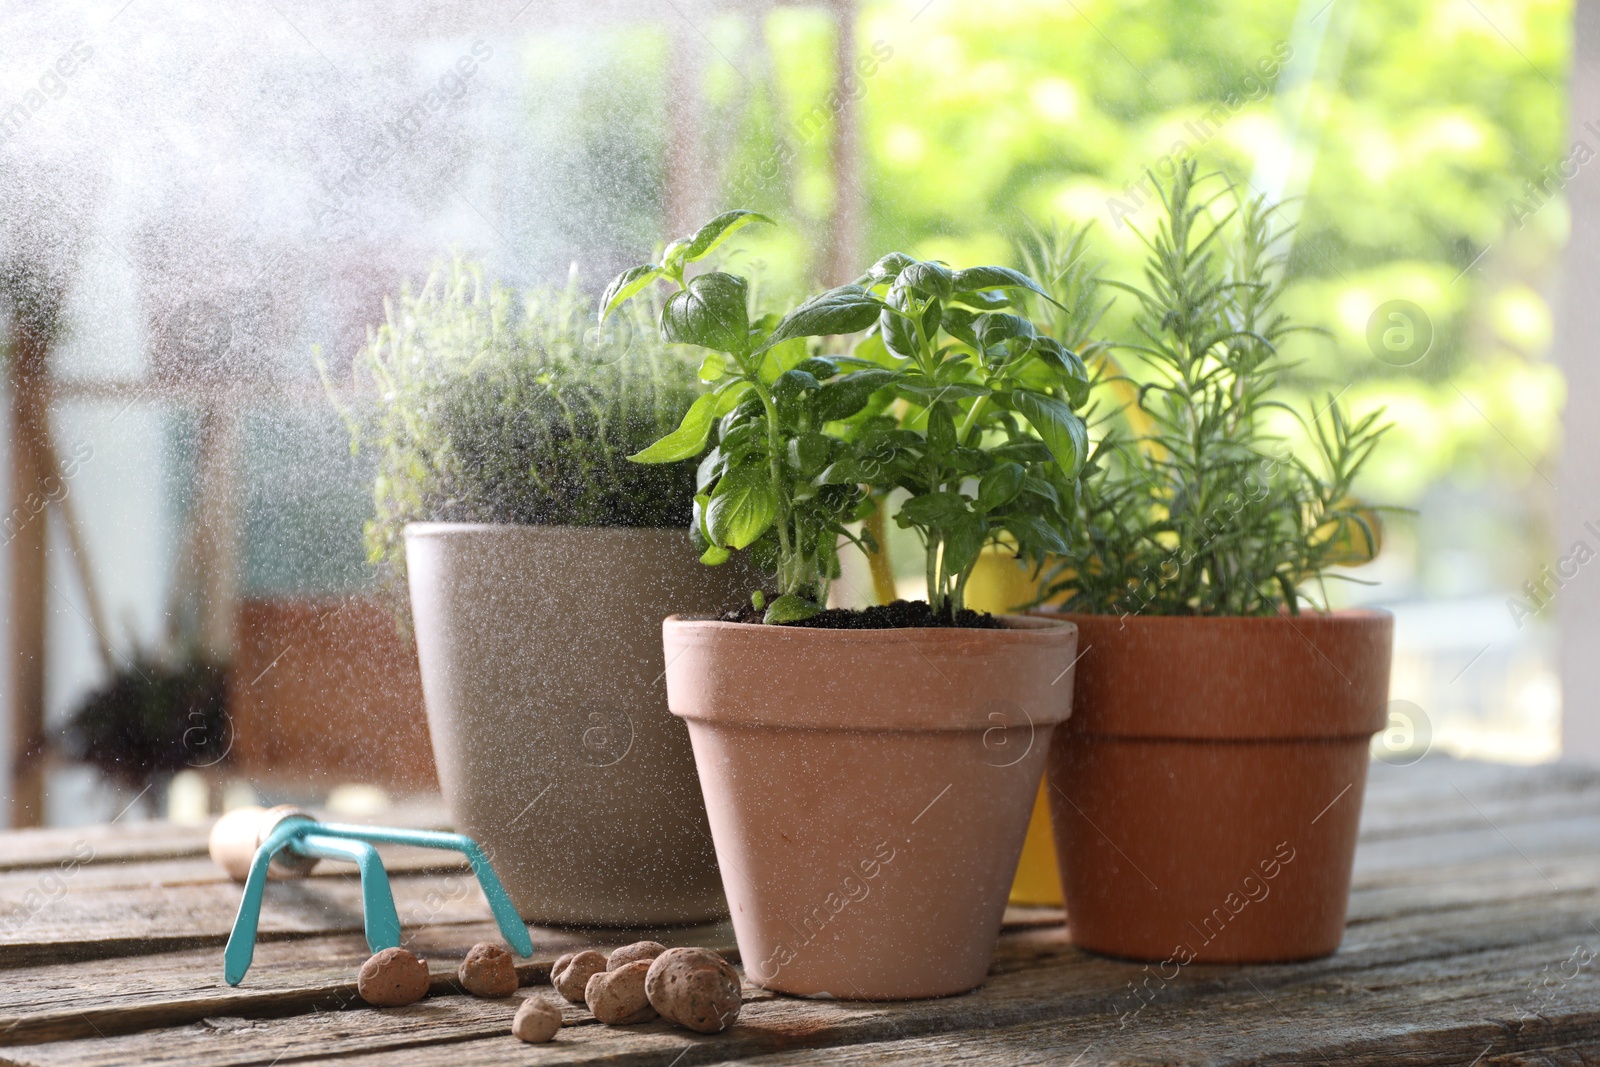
{"x": 709, "y": 312}
{"x": 712, "y": 367}
{"x": 708, "y": 470}
{"x": 843, "y": 471}
{"x": 781, "y": 357}
{"x": 847, "y": 309}
{"x": 809, "y": 451}
{"x": 984, "y": 300}
{"x": 844, "y": 396}
{"x": 942, "y": 509}
{"x": 818, "y": 367}
{"x": 789, "y": 608}
{"x": 994, "y": 328}
{"x": 688, "y": 440}
{"x": 742, "y": 507}
{"x": 929, "y": 392}
{"x": 963, "y": 540}
{"x": 899, "y": 333}
{"x": 958, "y": 323}
{"x": 941, "y": 428}
{"x": 730, "y": 393}
{"x": 888, "y": 268}
{"x": 1058, "y": 425}
{"x": 974, "y": 278}
{"x": 929, "y": 279}
{"x": 1034, "y": 530}
{"x": 718, "y": 230}
{"x": 715, "y": 556}
{"x": 1000, "y": 486}
{"x": 625, "y": 285}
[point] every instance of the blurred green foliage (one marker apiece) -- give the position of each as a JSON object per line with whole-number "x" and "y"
{"x": 1412, "y": 129}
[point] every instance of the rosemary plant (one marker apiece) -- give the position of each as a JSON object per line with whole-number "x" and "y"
{"x": 491, "y": 409}
{"x": 1191, "y": 504}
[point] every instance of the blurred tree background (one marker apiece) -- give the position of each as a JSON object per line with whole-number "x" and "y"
{"x": 1419, "y": 144}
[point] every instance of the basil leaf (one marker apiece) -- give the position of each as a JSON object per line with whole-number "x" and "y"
{"x": 789, "y": 608}
{"x": 888, "y": 268}
{"x": 843, "y": 397}
{"x": 929, "y": 279}
{"x": 984, "y": 300}
{"x": 688, "y": 440}
{"x": 847, "y": 309}
{"x": 1058, "y": 425}
{"x": 993, "y": 328}
{"x": 710, "y": 312}
{"x": 1031, "y": 529}
{"x": 974, "y": 278}
{"x": 898, "y": 332}
{"x": 943, "y": 509}
{"x": 1000, "y": 486}
{"x": 741, "y": 508}
{"x": 625, "y": 285}
{"x": 718, "y": 230}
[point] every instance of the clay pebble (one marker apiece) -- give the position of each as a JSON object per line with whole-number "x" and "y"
{"x": 536, "y": 1021}
{"x": 695, "y": 988}
{"x": 571, "y": 973}
{"x": 639, "y": 950}
{"x": 618, "y": 997}
{"x": 392, "y": 978}
{"x": 488, "y": 971}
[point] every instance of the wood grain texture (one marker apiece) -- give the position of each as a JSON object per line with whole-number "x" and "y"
{"x": 1473, "y": 935}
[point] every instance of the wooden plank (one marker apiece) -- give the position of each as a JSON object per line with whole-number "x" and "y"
{"x": 1456, "y": 975}
{"x": 57, "y": 1001}
{"x": 1504, "y": 884}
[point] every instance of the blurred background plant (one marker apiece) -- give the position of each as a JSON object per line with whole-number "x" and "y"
{"x": 483, "y": 408}
{"x": 155, "y": 717}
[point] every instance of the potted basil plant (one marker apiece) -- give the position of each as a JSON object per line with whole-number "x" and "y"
{"x": 868, "y": 774}
{"x": 1206, "y": 795}
{"x": 531, "y": 546}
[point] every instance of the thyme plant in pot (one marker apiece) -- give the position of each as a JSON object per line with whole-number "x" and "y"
{"x": 531, "y": 547}
{"x": 1206, "y": 795}
{"x": 868, "y": 774}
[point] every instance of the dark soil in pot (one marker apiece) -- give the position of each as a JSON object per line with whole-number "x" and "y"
{"x": 901, "y": 614}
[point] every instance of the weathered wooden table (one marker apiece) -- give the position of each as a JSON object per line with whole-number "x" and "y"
{"x": 1473, "y": 932}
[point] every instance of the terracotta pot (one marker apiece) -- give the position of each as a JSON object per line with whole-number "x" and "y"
{"x": 868, "y": 791}
{"x": 1207, "y": 794}
{"x": 541, "y": 669}
{"x": 1002, "y": 584}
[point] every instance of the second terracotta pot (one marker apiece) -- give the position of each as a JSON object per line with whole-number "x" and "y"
{"x": 1207, "y": 793}
{"x": 868, "y": 791}
{"x": 541, "y": 667}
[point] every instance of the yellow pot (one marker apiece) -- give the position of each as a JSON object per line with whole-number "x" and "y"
{"x": 1000, "y": 584}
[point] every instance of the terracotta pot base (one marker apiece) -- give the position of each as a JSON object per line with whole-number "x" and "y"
{"x": 1207, "y": 794}
{"x": 1234, "y": 852}
{"x": 868, "y": 792}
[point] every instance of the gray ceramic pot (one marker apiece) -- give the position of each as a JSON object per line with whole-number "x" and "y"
{"x": 542, "y": 669}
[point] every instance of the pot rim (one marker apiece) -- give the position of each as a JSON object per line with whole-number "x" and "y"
{"x": 1018, "y": 629}
{"x": 446, "y": 529}
{"x": 1340, "y": 615}
{"x": 913, "y": 679}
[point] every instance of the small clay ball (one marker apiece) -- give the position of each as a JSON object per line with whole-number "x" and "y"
{"x": 537, "y": 1021}
{"x": 571, "y": 973}
{"x": 618, "y": 997}
{"x": 488, "y": 972}
{"x": 391, "y": 978}
{"x": 694, "y": 987}
{"x": 639, "y": 950}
